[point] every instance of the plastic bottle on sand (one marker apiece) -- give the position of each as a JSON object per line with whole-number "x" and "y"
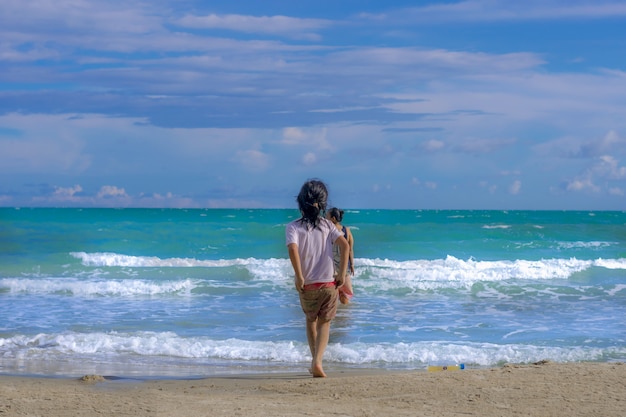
{"x": 437, "y": 368}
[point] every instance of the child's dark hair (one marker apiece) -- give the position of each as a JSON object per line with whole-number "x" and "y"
{"x": 336, "y": 213}
{"x": 312, "y": 202}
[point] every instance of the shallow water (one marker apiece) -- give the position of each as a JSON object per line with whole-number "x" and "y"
{"x": 201, "y": 292}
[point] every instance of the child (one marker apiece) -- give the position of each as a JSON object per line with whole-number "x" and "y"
{"x": 336, "y": 216}
{"x": 310, "y": 242}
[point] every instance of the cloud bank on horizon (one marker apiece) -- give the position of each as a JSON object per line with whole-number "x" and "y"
{"x": 476, "y": 104}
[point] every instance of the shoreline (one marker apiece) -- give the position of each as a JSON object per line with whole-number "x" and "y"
{"x": 542, "y": 389}
{"x": 255, "y": 375}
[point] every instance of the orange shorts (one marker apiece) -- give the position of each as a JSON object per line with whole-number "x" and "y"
{"x": 319, "y": 303}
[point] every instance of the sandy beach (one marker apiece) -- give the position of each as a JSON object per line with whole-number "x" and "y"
{"x": 543, "y": 389}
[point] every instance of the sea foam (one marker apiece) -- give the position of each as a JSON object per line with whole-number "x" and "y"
{"x": 134, "y": 346}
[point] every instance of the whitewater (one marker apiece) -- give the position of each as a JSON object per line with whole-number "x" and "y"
{"x": 194, "y": 293}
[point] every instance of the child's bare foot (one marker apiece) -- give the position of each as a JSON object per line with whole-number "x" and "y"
{"x": 317, "y": 371}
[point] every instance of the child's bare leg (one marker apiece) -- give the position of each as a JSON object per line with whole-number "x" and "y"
{"x": 323, "y": 333}
{"x": 311, "y": 336}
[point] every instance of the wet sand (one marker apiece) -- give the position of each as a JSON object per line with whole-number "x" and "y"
{"x": 543, "y": 389}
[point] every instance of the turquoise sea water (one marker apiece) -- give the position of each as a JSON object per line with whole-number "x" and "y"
{"x": 186, "y": 293}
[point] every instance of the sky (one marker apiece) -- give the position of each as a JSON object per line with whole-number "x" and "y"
{"x": 396, "y": 104}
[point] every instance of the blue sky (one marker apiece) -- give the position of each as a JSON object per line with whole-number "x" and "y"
{"x": 478, "y": 104}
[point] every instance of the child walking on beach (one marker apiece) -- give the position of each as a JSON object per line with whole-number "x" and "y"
{"x": 335, "y": 215}
{"x": 310, "y": 242}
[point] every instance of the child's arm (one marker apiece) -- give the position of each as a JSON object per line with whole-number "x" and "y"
{"x": 344, "y": 250}
{"x": 294, "y": 257}
{"x": 351, "y": 257}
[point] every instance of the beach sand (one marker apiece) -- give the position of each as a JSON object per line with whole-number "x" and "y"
{"x": 542, "y": 389}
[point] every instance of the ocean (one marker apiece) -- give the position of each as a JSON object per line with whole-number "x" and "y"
{"x": 186, "y": 293}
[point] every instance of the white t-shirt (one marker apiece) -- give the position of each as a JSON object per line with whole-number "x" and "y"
{"x": 315, "y": 246}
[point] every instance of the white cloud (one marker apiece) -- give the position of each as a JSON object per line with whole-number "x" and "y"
{"x": 293, "y": 135}
{"x": 8, "y": 53}
{"x": 491, "y": 188}
{"x": 109, "y": 196}
{"x": 508, "y": 172}
{"x": 256, "y": 24}
{"x": 577, "y": 147}
{"x": 168, "y": 199}
{"x": 43, "y": 144}
{"x": 611, "y": 142}
{"x": 312, "y": 137}
{"x": 515, "y": 187}
{"x": 608, "y": 167}
{"x": 63, "y": 16}
{"x": 581, "y": 184}
{"x": 348, "y": 104}
{"x": 427, "y": 184}
{"x": 68, "y": 192}
{"x": 507, "y": 10}
{"x": 479, "y": 145}
{"x": 253, "y": 160}
{"x": 432, "y": 145}
{"x": 309, "y": 159}
{"x": 111, "y": 191}
{"x": 604, "y": 168}
{"x": 233, "y": 203}
{"x": 420, "y": 63}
